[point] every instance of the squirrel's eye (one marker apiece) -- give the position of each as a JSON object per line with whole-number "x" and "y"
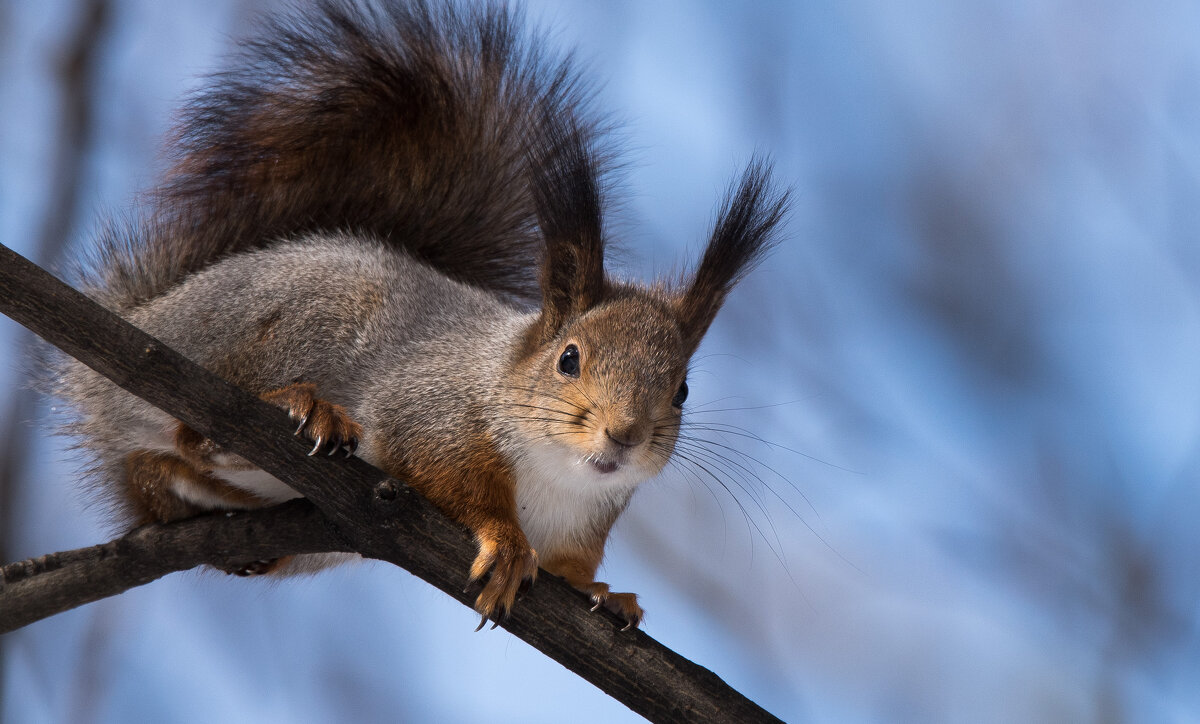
{"x": 568, "y": 362}
{"x": 680, "y": 395}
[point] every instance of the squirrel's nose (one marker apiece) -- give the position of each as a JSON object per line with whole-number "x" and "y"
{"x": 629, "y": 435}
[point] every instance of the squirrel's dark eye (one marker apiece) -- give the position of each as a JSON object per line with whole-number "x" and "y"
{"x": 568, "y": 362}
{"x": 680, "y": 395}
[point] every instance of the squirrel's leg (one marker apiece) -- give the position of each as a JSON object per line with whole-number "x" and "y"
{"x": 150, "y": 480}
{"x": 506, "y": 555}
{"x": 163, "y": 487}
{"x": 327, "y": 425}
{"x": 170, "y": 480}
{"x": 478, "y": 492}
{"x": 578, "y": 567}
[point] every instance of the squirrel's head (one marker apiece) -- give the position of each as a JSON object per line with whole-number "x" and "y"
{"x": 602, "y": 375}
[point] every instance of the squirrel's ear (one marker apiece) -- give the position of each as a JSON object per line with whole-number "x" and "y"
{"x": 566, "y": 194}
{"x": 741, "y": 236}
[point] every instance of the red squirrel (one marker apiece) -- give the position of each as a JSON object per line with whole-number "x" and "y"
{"x": 387, "y": 219}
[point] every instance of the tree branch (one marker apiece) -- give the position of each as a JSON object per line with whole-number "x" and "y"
{"x": 39, "y": 587}
{"x": 376, "y": 515}
{"x": 75, "y": 71}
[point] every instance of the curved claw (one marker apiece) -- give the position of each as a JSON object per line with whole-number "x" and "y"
{"x": 505, "y": 561}
{"x": 351, "y": 447}
{"x": 623, "y": 604}
{"x": 315, "y": 447}
{"x": 482, "y": 621}
{"x": 303, "y": 422}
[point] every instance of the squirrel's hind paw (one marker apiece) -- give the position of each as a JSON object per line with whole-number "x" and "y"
{"x": 256, "y": 568}
{"x": 624, "y": 605}
{"x": 327, "y": 425}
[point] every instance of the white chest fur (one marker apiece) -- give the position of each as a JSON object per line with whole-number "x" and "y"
{"x": 560, "y": 495}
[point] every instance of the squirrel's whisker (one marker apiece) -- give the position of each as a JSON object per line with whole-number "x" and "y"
{"x": 429, "y": 278}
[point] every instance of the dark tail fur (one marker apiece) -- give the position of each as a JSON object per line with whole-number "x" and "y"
{"x": 743, "y": 233}
{"x": 410, "y": 122}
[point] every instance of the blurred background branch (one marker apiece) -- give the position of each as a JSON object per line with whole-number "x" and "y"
{"x": 75, "y": 69}
{"x": 75, "y": 66}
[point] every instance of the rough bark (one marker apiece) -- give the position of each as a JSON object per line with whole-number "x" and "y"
{"x": 40, "y": 587}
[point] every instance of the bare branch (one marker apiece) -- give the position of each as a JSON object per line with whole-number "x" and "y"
{"x": 39, "y": 587}
{"x": 75, "y": 75}
{"x": 71, "y": 144}
{"x": 378, "y": 516}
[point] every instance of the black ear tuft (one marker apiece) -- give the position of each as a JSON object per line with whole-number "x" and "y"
{"x": 742, "y": 235}
{"x": 566, "y": 192}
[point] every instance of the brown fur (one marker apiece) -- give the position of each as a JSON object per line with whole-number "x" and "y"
{"x": 150, "y": 477}
{"x": 411, "y": 111}
{"x": 327, "y": 425}
{"x": 578, "y": 567}
{"x": 445, "y": 156}
{"x": 468, "y": 480}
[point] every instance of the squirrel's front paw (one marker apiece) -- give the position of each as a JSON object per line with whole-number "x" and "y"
{"x": 327, "y": 425}
{"x": 510, "y": 562}
{"x": 624, "y": 605}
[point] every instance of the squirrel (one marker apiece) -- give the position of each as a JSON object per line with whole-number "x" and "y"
{"x": 387, "y": 219}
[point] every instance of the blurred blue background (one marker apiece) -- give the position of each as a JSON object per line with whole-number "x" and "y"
{"x": 974, "y": 362}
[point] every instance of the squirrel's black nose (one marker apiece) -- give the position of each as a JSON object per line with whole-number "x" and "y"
{"x": 628, "y": 436}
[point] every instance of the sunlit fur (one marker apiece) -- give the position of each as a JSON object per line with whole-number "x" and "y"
{"x": 353, "y": 222}
{"x": 596, "y": 437}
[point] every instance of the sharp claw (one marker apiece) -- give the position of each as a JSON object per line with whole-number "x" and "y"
{"x": 315, "y": 447}
{"x": 303, "y": 422}
{"x": 493, "y": 628}
{"x": 482, "y": 621}
{"x": 599, "y": 603}
{"x": 351, "y": 447}
{"x": 628, "y": 626}
{"x": 333, "y": 448}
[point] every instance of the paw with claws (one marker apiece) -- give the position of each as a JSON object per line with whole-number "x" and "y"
{"x": 509, "y": 564}
{"x": 624, "y": 605}
{"x": 326, "y": 425}
{"x": 256, "y": 568}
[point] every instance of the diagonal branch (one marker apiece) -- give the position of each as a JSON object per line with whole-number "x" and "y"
{"x": 377, "y": 516}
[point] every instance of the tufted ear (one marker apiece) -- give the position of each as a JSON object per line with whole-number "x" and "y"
{"x": 566, "y": 194}
{"x": 741, "y": 236}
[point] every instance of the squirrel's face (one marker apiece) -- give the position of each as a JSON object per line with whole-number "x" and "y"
{"x": 602, "y": 367}
{"x": 609, "y": 389}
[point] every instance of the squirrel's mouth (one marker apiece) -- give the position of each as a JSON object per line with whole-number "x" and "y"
{"x": 604, "y": 465}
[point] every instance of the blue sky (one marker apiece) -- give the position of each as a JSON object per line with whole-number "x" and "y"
{"x": 973, "y": 360}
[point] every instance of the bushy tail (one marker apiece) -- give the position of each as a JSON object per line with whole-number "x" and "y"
{"x": 413, "y": 122}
